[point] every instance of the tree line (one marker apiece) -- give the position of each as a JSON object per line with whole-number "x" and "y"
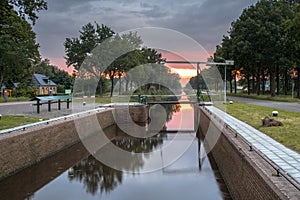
{"x": 264, "y": 42}
{"x": 19, "y": 53}
{"x": 20, "y": 57}
{"x": 99, "y": 54}
{"x": 17, "y": 39}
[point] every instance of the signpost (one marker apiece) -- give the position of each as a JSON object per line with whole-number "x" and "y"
{"x": 227, "y": 62}
{"x": 68, "y": 91}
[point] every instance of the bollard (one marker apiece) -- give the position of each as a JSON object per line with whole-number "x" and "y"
{"x": 49, "y": 106}
{"x": 38, "y": 106}
{"x": 275, "y": 113}
{"x": 58, "y": 104}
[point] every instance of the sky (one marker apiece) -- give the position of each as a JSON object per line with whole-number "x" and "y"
{"x": 206, "y": 21}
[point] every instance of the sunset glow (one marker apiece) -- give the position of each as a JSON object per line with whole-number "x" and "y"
{"x": 185, "y": 73}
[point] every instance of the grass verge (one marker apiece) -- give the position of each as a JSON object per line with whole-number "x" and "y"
{"x": 7, "y": 122}
{"x": 15, "y": 99}
{"x": 288, "y": 135}
{"x": 281, "y": 98}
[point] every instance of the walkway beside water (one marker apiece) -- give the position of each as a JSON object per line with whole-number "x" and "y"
{"x": 286, "y": 159}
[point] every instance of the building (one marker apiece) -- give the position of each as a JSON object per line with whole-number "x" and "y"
{"x": 8, "y": 89}
{"x": 43, "y": 85}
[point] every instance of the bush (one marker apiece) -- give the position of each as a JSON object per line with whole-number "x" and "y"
{"x": 23, "y": 91}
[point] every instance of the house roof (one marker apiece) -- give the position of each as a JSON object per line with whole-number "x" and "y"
{"x": 41, "y": 79}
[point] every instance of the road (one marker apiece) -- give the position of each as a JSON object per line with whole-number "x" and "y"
{"x": 27, "y": 109}
{"x": 295, "y": 107}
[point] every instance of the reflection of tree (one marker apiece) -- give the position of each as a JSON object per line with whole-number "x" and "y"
{"x": 137, "y": 145}
{"x": 171, "y": 109}
{"x": 95, "y": 175}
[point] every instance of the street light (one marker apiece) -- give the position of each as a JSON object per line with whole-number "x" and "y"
{"x": 227, "y": 62}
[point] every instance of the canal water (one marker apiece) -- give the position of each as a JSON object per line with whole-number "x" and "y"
{"x": 75, "y": 174}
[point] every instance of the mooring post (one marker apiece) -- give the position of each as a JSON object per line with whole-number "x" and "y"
{"x": 68, "y": 103}
{"x": 58, "y": 104}
{"x": 196, "y": 117}
{"x": 38, "y": 106}
{"x": 49, "y": 106}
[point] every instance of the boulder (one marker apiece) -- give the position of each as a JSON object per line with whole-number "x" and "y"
{"x": 267, "y": 122}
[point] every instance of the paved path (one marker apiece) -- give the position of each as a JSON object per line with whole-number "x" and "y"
{"x": 295, "y": 107}
{"x": 286, "y": 159}
{"x": 27, "y": 109}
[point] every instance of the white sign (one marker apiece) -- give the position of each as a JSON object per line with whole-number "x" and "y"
{"x": 229, "y": 62}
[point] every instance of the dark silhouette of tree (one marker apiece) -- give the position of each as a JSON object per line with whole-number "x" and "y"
{"x": 96, "y": 176}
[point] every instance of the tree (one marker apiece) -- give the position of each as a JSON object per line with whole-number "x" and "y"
{"x": 293, "y": 27}
{"x": 28, "y": 8}
{"x": 126, "y": 45}
{"x": 223, "y": 53}
{"x": 77, "y": 49}
{"x": 17, "y": 45}
{"x": 260, "y": 45}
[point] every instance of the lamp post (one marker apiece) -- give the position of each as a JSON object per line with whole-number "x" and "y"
{"x": 227, "y": 62}
{"x": 225, "y": 86}
{"x": 198, "y": 83}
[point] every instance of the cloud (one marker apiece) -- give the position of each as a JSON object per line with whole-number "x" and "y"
{"x": 207, "y": 22}
{"x": 203, "y": 20}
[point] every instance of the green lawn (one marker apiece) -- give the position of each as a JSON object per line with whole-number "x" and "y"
{"x": 104, "y": 100}
{"x": 14, "y": 99}
{"x": 14, "y": 121}
{"x": 288, "y": 135}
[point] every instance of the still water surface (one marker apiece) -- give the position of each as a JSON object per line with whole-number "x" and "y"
{"x": 75, "y": 174}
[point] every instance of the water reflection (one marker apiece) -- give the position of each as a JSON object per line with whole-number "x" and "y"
{"x": 24, "y": 184}
{"x": 74, "y": 174}
{"x": 98, "y": 177}
{"x": 140, "y": 145}
{"x": 190, "y": 177}
{"x": 171, "y": 109}
{"x": 95, "y": 176}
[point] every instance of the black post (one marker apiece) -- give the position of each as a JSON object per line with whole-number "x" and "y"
{"x": 38, "y": 106}
{"x": 58, "y": 104}
{"x": 49, "y": 106}
{"x": 68, "y": 103}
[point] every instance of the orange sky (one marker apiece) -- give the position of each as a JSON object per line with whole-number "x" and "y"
{"x": 61, "y": 63}
{"x": 185, "y": 70}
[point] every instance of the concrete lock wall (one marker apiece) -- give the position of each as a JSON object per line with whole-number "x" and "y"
{"x": 22, "y": 149}
{"x": 246, "y": 174}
